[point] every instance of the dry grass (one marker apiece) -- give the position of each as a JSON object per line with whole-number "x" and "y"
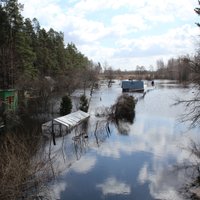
{"x": 24, "y": 171}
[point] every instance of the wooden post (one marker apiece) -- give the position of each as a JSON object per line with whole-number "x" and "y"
{"x": 53, "y": 133}
{"x": 60, "y": 130}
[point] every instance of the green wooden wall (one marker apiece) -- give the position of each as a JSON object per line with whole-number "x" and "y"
{"x": 9, "y": 99}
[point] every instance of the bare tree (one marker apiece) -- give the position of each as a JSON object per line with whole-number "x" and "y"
{"x": 109, "y": 74}
{"x": 160, "y": 68}
{"x": 191, "y": 169}
{"x": 192, "y": 104}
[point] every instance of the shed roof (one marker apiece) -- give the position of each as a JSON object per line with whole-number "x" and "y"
{"x": 132, "y": 84}
{"x": 72, "y": 119}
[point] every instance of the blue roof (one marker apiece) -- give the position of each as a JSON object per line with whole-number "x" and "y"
{"x": 132, "y": 85}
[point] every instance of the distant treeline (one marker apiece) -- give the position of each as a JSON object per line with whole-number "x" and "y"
{"x": 177, "y": 68}
{"x": 181, "y": 69}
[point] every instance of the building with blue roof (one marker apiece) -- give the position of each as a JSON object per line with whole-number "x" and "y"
{"x": 132, "y": 86}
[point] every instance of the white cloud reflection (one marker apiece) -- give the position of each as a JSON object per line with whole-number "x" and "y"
{"x": 163, "y": 182}
{"x": 143, "y": 174}
{"x": 113, "y": 187}
{"x": 57, "y": 189}
{"x": 84, "y": 165}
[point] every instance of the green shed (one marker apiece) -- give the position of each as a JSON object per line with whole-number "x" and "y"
{"x": 9, "y": 99}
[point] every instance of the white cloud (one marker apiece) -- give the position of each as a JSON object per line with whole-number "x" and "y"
{"x": 88, "y": 30}
{"x": 145, "y": 50}
{"x": 168, "y": 10}
{"x": 179, "y": 38}
{"x": 169, "y": 7}
{"x": 127, "y": 23}
{"x": 129, "y": 30}
{"x": 98, "y": 52}
{"x": 113, "y": 187}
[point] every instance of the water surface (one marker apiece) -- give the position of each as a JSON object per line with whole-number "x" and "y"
{"x": 133, "y": 161}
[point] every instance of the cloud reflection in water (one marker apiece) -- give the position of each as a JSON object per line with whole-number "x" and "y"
{"x": 163, "y": 144}
{"x": 84, "y": 165}
{"x": 155, "y": 132}
{"x": 114, "y": 187}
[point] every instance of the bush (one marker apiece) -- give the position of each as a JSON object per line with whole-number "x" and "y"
{"x": 83, "y": 103}
{"x": 124, "y": 109}
{"x": 66, "y": 105}
{"x": 25, "y": 169}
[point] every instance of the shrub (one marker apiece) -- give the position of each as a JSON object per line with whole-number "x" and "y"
{"x": 66, "y": 105}
{"x": 83, "y": 103}
{"x": 25, "y": 169}
{"x": 124, "y": 109}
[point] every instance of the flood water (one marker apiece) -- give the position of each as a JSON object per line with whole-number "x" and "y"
{"x": 133, "y": 161}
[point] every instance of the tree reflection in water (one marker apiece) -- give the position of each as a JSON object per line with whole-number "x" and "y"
{"x": 80, "y": 140}
{"x": 191, "y": 190}
{"x": 122, "y": 113}
{"x": 93, "y": 133}
{"x": 102, "y": 131}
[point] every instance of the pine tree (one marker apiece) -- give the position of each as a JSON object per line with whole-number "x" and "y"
{"x": 66, "y": 105}
{"x": 4, "y": 49}
{"x": 83, "y": 103}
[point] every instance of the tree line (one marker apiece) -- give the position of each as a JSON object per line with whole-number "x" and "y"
{"x": 29, "y": 52}
{"x": 175, "y": 69}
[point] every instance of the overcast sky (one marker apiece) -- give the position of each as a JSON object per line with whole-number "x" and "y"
{"x": 121, "y": 33}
